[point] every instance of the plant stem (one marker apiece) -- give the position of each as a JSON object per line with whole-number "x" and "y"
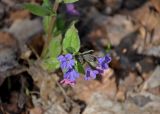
{"x": 50, "y": 28}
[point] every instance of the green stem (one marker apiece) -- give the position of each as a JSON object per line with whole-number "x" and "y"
{"x": 50, "y": 28}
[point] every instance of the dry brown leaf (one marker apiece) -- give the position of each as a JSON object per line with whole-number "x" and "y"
{"x": 36, "y": 110}
{"x": 156, "y": 4}
{"x": 84, "y": 89}
{"x": 20, "y": 14}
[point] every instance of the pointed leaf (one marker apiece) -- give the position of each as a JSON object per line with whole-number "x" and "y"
{"x": 71, "y": 41}
{"x": 59, "y": 1}
{"x": 54, "y": 48}
{"x": 47, "y": 4}
{"x": 70, "y": 1}
{"x": 37, "y": 9}
{"x": 79, "y": 67}
{"x": 50, "y": 64}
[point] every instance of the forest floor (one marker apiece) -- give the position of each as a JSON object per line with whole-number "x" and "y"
{"x": 130, "y": 86}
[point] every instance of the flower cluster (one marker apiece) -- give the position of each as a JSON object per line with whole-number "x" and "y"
{"x": 67, "y": 64}
{"x": 101, "y": 66}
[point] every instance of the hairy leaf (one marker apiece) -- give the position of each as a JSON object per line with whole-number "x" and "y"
{"x": 70, "y": 1}
{"x": 71, "y": 42}
{"x": 37, "y": 9}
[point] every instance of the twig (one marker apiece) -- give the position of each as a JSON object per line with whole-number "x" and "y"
{"x": 34, "y": 52}
{"x": 63, "y": 92}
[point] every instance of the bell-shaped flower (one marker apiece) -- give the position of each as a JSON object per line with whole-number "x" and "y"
{"x": 90, "y": 73}
{"x": 103, "y": 62}
{"x": 70, "y": 77}
{"x": 66, "y": 61}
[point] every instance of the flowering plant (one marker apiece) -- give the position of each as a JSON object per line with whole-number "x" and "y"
{"x": 62, "y": 50}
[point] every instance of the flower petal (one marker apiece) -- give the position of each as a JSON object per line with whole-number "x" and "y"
{"x": 61, "y": 58}
{"x": 68, "y": 56}
{"x": 71, "y": 74}
{"x": 90, "y": 74}
{"x": 71, "y": 9}
{"x": 71, "y": 62}
{"x": 107, "y": 58}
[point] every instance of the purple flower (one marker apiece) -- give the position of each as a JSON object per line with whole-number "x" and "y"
{"x": 71, "y": 74}
{"x": 67, "y": 61}
{"x": 103, "y": 62}
{"x": 100, "y": 71}
{"x": 90, "y": 73}
{"x": 71, "y": 9}
{"x": 70, "y": 77}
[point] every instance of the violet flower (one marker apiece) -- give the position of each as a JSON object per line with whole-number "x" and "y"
{"x": 103, "y": 62}
{"x": 66, "y": 61}
{"x": 70, "y": 77}
{"x": 71, "y": 74}
{"x": 90, "y": 74}
{"x": 71, "y": 9}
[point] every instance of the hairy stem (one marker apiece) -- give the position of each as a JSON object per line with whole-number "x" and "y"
{"x": 50, "y": 28}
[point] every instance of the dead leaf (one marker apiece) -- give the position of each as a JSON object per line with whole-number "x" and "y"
{"x": 36, "y": 110}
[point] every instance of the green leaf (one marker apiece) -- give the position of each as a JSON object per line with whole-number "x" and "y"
{"x": 60, "y": 23}
{"x": 71, "y": 40}
{"x": 79, "y": 67}
{"x": 70, "y": 1}
{"x": 70, "y": 50}
{"x": 54, "y": 48}
{"x": 37, "y": 9}
{"x": 59, "y": 1}
{"x": 59, "y": 27}
{"x": 50, "y": 64}
{"x": 47, "y": 4}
